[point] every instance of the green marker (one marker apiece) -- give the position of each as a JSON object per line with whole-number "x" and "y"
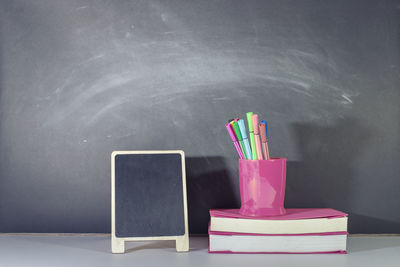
{"x": 251, "y": 131}
{"x": 239, "y": 136}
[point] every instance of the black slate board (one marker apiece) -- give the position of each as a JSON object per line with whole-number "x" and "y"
{"x": 148, "y": 195}
{"x": 82, "y": 78}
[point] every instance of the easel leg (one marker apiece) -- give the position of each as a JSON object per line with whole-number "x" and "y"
{"x": 182, "y": 243}
{"x": 117, "y": 245}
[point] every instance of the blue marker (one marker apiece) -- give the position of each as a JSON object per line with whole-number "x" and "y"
{"x": 245, "y": 140}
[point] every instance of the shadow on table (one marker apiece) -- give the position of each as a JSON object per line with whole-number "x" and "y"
{"x": 102, "y": 243}
{"x": 161, "y": 244}
{"x": 195, "y": 244}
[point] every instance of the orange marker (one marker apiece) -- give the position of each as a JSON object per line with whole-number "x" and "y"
{"x": 263, "y": 134}
{"x": 254, "y": 120}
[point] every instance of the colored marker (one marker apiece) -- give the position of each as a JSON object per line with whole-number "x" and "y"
{"x": 247, "y": 149}
{"x": 254, "y": 119}
{"x": 239, "y": 136}
{"x": 266, "y": 127}
{"x": 232, "y": 121}
{"x": 251, "y": 134}
{"x": 266, "y": 132}
{"x": 235, "y": 142}
{"x": 263, "y": 134}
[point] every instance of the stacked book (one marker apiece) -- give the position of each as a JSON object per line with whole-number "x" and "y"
{"x": 298, "y": 231}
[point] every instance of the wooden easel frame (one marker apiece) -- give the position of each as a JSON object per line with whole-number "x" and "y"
{"x": 117, "y": 243}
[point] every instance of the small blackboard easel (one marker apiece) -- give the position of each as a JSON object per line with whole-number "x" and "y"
{"x": 148, "y": 198}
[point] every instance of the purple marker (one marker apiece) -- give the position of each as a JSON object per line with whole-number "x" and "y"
{"x": 234, "y": 140}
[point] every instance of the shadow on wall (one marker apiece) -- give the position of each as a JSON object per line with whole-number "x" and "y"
{"x": 208, "y": 186}
{"x": 326, "y": 176}
{"x": 2, "y": 115}
{"x": 366, "y": 224}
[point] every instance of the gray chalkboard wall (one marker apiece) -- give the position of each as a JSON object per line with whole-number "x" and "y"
{"x": 79, "y": 79}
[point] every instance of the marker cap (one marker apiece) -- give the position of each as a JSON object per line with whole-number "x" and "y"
{"x": 249, "y": 122}
{"x": 231, "y": 132}
{"x": 232, "y": 121}
{"x": 237, "y": 130}
{"x": 242, "y": 129}
{"x": 254, "y": 120}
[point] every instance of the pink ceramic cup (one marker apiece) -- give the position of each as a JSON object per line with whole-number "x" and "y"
{"x": 262, "y": 186}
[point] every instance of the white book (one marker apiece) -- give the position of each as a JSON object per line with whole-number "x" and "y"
{"x": 228, "y": 243}
{"x": 295, "y": 221}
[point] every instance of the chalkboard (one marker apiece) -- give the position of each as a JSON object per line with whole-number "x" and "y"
{"x": 82, "y": 78}
{"x": 148, "y": 197}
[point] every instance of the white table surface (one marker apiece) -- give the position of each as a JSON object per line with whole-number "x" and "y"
{"x": 90, "y": 250}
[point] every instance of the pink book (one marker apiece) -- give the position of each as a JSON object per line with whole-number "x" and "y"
{"x": 291, "y": 214}
{"x": 295, "y": 221}
{"x": 298, "y": 231}
{"x": 224, "y": 242}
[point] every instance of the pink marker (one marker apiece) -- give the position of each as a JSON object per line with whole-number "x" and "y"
{"x": 234, "y": 140}
{"x": 254, "y": 120}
